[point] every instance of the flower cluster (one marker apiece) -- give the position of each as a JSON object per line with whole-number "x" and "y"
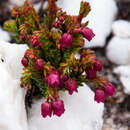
{"x": 56, "y": 107}
{"x": 102, "y": 91}
{"x": 50, "y": 64}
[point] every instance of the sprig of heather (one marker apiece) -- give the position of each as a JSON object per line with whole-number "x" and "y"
{"x": 50, "y": 63}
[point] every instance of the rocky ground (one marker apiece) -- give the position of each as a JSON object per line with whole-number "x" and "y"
{"x": 117, "y": 110}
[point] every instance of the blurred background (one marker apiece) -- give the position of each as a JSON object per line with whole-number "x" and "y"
{"x": 110, "y": 21}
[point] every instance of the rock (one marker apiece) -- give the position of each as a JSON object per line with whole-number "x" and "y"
{"x": 121, "y": 28}
{"x": 98, "y": 21}
{"x": 80, "y": 113}
{"x": 118, "y": 50}
{"x": 4, "y": 11}
{"x": 123, "y": 9}
{"x": 4, "y": 36}
{"x": 12, "y": 96}
{"x": 124, "y": 73}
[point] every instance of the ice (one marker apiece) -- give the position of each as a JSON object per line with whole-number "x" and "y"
{"x": 124, "y": 73}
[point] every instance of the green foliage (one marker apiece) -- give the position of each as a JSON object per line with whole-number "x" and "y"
{"x": 11, "y": 26}
{"x": 42, "y": 85}
{"x": 84, "y": 9}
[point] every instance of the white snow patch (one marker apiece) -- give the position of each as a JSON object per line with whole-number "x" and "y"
{"x": 4, "y": 36}
{"x": 100, "y": 18}
{"x": 118, "y": 50}
{"x": 17, "y": 2}
{"x": 12, "y": 54}
{"x": 121, "y": 28}
{"x": 80, "y": 113}
{"x": 12, "y": 96}
{"x": 124, "y": 73}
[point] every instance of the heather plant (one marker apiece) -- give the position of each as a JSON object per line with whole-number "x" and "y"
{"x": 50, "y": 64}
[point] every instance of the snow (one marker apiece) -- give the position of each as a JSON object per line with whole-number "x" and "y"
{"x": 4, "y": 36}
{"x": 124, "y": 73}
{"x": 17, "y": 2}
{"x": 12, "y": 106}
{"x": 121, "y": 28}
{"x": 118, "y": 50}
{"x": 100, "y": 18}
{"x": 12, "y": 54}
{"x": 80, "y": 113}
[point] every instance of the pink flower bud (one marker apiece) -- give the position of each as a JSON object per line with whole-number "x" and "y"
{"x": 24, "y": 62}
{"x": 58, "y": 107}
{"x": 64, "y": 77}
{"x": 53, "y": 79}
{"x": 34, "y": 41}
{"x": 40, "y": 45}
{"x": 46, "y": 109}
{"x": 66, "y": 40}
{"x": 88, "y": 33}
{"x": 98, "y": 65}
{"x": 33, "y": 57}
{"x": 91, "y": 73}
{"x": 22, "y": 38}
{"x": 71, "y": 86}
{"x": 99, "y": 95}
{"x": 17, "y": 14}
{"x": 78, "y": 30}
{"x": 26, "y": 9}
{"x": 109, "y": 89}
{"x": 27, "y": 53}
{"x": 58, "y": 46}
{"x": 61, "y": 18}
{"x": 57, "y": 24}
{"x": 54, "y": 71}
{"x": 39, "y": 64}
